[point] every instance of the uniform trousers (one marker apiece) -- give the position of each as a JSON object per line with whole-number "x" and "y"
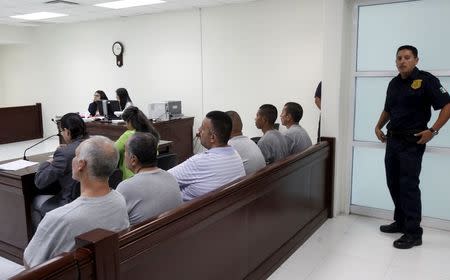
{"x": 403, "y": 163}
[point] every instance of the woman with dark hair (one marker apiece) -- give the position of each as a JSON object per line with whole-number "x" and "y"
{"x": 55, "y": 175}
{"x": 98, "y": 95}
{"x": 136, "y": 122}
{"x": 123, "y": 98}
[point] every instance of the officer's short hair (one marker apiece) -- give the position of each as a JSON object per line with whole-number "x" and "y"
{"x": 269, "y": 112}
{"x": 295, "y": 110}
{"x": 409, "y": 47}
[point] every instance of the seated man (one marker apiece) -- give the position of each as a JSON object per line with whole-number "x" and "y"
{"x": 290, "y": 116}
{"x": 274, "y": 145}
{"x": 151, "y": 190}
{"x": 97, "y": 207}
{"x": 251, "y": 155}
{"x": 217, "y": 166}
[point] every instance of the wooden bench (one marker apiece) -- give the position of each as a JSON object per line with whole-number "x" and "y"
{"x": 244, "y": 230}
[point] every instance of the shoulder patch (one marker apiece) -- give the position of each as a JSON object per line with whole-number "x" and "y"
{"x": 443, "y": 90}
{"x": 416, "y": 84}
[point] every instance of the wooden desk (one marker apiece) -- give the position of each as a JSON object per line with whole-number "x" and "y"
{"x": 178, "y": 130}
{"x": 16, "y": 193}
{"x": 20, "y": 123}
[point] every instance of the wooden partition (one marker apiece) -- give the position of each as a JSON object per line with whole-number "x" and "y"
{"x": 20, "y": 123}
{"x": 243, "y": 230}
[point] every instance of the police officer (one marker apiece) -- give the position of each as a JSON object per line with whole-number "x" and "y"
{"x": 410, "y": 96}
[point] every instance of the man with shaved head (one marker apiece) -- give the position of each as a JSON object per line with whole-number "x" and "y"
{"x": 251, "y": 155}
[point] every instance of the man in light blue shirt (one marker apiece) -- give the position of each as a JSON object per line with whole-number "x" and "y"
{"x": 217, "y": 166}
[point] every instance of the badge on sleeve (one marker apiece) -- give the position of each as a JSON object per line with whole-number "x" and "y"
{"x": 416, "y": 84}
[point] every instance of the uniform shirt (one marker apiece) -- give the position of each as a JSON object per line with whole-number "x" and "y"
{"x": 409, "y": 101}
{"x": 56, "y": 232}
{"x": 208, "y": 171}
{"x": 299, "y": 138}
{"x": 251, "y": 155}
{"x": 318, "y": 92}
{"x": 149, "y": 193}
{"x": 274, "y": 146}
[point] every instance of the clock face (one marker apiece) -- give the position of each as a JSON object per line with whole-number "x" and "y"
{"x": 117, "y": 48}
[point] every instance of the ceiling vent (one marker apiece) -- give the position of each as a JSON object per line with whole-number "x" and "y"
{"x": 61, "y": 2}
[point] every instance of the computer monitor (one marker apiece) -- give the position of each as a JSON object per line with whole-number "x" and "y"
{"x": 174, "y": 109}
{"x": 107, "y": 108}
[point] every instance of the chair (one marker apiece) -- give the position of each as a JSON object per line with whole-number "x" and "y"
{"x": 255, "y": 139}
{"x": 167, "y": 160}
{"x": 115, "y": 178}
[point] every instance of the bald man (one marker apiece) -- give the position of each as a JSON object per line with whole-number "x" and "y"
{"x": 251, "y": 155}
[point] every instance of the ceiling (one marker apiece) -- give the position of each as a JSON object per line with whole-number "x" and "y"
{"x": 84, "y": 10}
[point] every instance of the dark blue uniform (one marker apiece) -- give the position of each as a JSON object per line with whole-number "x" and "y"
{"x": 409, "y": 102}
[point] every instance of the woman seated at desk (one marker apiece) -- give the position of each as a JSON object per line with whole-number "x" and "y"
{"x": 56, "y": 173}
{"x": 136, "y": 121}
{"x": 98, "y": 95}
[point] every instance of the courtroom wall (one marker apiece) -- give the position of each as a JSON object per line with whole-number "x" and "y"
{"x": 228, "y": 57}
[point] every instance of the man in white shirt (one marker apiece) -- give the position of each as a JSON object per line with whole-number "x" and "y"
{"x": 251, "y": 155}
{"x": 97, "y": 207}
{"x": 290, "y": 117}
{"x": 217, "y": 166}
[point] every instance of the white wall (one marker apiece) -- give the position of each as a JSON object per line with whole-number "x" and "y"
{"x": 253, "y": 53}
{"x": 337, "y": 110}
{"x": 263, "y": 52}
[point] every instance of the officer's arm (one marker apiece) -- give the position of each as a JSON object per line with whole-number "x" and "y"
{"x": 384, "y": 118}
{"x": 444, "y": 115}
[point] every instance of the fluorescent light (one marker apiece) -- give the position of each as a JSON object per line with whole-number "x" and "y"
{"x": 128, "y": 3}
{"x": 38, "y": 16}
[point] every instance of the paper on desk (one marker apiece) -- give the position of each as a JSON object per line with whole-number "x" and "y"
{"x": 17, "y": 164}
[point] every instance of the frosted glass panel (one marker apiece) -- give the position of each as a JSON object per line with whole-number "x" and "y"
{"x": 383, "y": 28}
{"x": 369, "y": 179}
{"x": 369, "y": 102}
{"x": 370, "y": 189}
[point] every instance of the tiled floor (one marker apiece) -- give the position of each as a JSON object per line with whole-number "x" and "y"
{"x": 352, "y": 247}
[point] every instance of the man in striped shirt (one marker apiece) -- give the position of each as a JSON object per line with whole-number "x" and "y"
{"x": 217, "y": 166}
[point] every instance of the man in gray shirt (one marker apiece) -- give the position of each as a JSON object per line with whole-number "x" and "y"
{"x": 97, "y": 207}
{"x": 290, "y": 117}
{"x": 151, "y": 190}
{"x": 273, "y": 144}
{"x": 251, "y": 155}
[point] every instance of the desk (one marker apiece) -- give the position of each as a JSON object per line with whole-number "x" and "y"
{"x": 177, "y": 130}
{"x": 16, "y": 192}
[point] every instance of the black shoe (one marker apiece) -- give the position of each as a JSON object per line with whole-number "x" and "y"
{"x": 407, "y": 241}
{"x": 392, "y": 228}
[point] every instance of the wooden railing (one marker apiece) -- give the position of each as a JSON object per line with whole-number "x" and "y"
{"x": 243, "y": 230}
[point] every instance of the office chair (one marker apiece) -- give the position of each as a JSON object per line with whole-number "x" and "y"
{"x": 115, "y": 178}
{"x": 167, "y": 160}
